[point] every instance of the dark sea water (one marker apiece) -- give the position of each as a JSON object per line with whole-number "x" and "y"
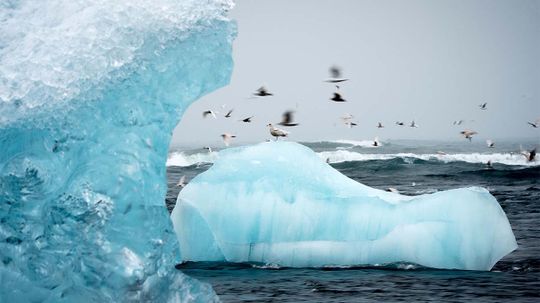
{"x": 412, "y": 168}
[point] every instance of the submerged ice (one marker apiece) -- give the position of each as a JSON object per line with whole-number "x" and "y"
{"x": 279, "y": 203}
{"x": 90, "y": 92}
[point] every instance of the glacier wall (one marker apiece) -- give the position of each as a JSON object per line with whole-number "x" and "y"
{"x": 279, "y": 203}
{"x": 90, "y": 92}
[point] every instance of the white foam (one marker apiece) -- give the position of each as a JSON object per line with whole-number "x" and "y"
{"x": 502, "y": 158}
{"x": 183, "y": 160}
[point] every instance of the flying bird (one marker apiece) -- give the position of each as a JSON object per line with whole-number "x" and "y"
{"x": 228, "y": 115}
{"x": 277, "y": 132}
{"x": 227, "y": 138}
{"x": 209, "y": 112}
{"x": 483, "y": 106}
{"x": 376, "y": 142}
{"x": 262, "y": 92}
{"x": 457, "y": 122}
{"x": 529, "y": 155}
{"x": 335, "y": 75}
{"x": 208, "y": 148}
{"x": 490, "y": 143}
{"x": 337, "y": 98}
{"x": 413, "y": 124}
{"x": 535, "y": 124}
{"x": 392, "y": 190}
{"x": 247, "y": 120}
{"x": 400, "y": 123}
{"x": 380, "y": 125}
{"x": 182, "y": 182}
{"x": 288, "y": 119}
{"x": 468, "y": 134}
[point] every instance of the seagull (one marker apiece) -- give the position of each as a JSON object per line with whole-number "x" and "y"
{"x": 208, "y": 148}
{"x": 287, "y": 119}
{"x": 490, "y": 144}
{"x": 182, "y": 182}
{"x": 392, "y": 190}
{"x": 227, "y": 138}
{"x": 335, "y": 75}
{"x": 468, "y": 134}
{"x": 262, "y": 92}
{"x": 376, "y": 142}
{"x": 380, "y": 125}
{"x": 535, "y": 124}
{"x": 400, "y": 123}
{"x": 247, "y": 120}
{"x": 228, "y": 115}
{"x": 209, "y": 112}
{"x": 347, "y": 120}
{"x": 277, "y": 132}
{"x": 529, "y": 155}
{"x": 483, "y": 106}
{"x": 337, "y": 98}
{"x": 457, "y": 122}
{"x": 488, "y": 164}
{"x": 413, "y": 124}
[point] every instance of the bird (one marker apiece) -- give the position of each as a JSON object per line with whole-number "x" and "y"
{"x": 247, "y": 120}
{"x": 488, "y": 164}
{"x": 347, "y": 120}
{"x": 288, "y": 119}
{"x": 335, "y": 75}
{"x": 350, "y": 124}
{"x": 181, "y": 182}
{"x": 457, "y": 122}
{"x": 483, "y": 106}
{"x": 228, "y": 115}
{"x": 380, "y": 125}
{"x": 209, "y": 112}
{"x": 208, "y": 148}
{"x": 337, "y": 98}
{"x": 262, "y": 92}
{"x": 535, "y": 124}
{"x": 277, "y": 132}
{"x": 400, "y": 123}
{"x": 529, "y": 155}
{"x": 376, "y": 142}
{"x": 413, "y": 124}
{"x": 468, "y": 134}
{"x": 227, "y": 138}
{"x": 490, "y": 143}
{"x": 392, "y": 190}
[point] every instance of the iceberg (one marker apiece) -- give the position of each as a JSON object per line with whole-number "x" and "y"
{"x": 278, "y": 203}
{"x": 90, "y": 92}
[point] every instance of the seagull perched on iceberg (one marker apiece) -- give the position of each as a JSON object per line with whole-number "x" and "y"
{"x": 288, "y": 119}
{"x": 227, "y": 138}
{"x": 277, "y": 132}
{"x": 468, "y": 134}
{"x": 335, "y": 75}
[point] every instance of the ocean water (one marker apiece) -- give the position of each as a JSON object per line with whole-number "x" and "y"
{"x": 413, "y": 168}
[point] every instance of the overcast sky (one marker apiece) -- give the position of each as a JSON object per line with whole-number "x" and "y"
{"x": 431, "y": 61}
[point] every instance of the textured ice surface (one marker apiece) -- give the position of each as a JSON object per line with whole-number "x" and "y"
{"x": 90, "y": 92}
{"x": 279, "y": 203}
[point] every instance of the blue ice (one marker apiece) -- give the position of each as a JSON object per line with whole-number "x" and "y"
{"x": 90, "y": 92}
{"x": 279, "y": 203}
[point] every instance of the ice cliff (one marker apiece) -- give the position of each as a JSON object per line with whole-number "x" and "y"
{"x": 279, "y": 203}
{"x": 90, "y": 92}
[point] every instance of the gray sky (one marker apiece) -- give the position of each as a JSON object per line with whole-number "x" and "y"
{"x": 431, "y": 61}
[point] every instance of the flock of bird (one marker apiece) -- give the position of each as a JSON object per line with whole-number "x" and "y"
{"x": 336, "y": 79}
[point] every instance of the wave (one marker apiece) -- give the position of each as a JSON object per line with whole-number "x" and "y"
{"x": 182, "y": 159}
{"x": 501, "y": 158}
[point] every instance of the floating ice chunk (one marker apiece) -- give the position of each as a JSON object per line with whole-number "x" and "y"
{"x": 292, "y": 209}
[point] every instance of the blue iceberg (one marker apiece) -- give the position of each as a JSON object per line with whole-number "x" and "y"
{"x": 90, "y": 92}
{"x": 279, "y": 203}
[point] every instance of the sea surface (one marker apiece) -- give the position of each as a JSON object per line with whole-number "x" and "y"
{"x": 413, "y": 168}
